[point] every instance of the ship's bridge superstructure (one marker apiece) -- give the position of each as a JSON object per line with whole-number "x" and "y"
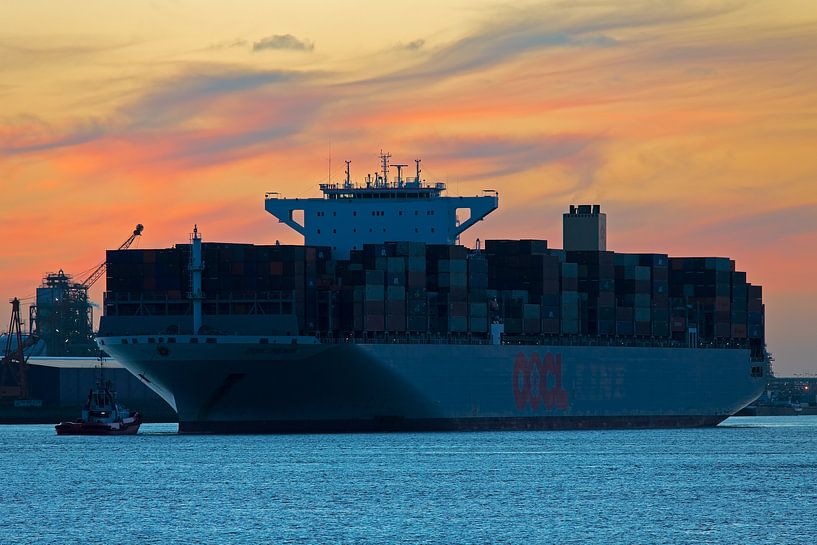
{"x": 411, "y": 209}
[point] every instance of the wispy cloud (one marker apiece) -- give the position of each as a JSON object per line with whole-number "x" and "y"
{"x": 35, "y": 135}
{"x": 193, "y": 93}
{"x": 496, "y": 155}
{"x": 229, "y": 44}
{"x": 283, "y": 41}
{"x": 764, "y": 227}
{"x": 514, "y": 32}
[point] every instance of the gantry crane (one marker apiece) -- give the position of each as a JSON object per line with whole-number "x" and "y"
{"x": 13, "y": 377}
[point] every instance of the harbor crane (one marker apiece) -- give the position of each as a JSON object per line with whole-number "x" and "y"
{"x": 91, "y": 279}
{"x": 62, "y": 315}
{"x": 13, "y": 376}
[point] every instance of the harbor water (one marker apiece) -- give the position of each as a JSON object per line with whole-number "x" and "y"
{"x": 750, "y": 480}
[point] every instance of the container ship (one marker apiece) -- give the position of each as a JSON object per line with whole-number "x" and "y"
{"x": 382, "y": 321}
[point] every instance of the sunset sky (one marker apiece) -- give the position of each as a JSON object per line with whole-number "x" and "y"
{"x": 694, "y": 124}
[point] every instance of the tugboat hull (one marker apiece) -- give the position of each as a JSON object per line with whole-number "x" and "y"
{"x": 129, "y": 426}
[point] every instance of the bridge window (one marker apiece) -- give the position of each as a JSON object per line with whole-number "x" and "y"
{"x": 354, "y": 213}
{"x": 319, "y": 231}
{"x": 334, "y": 231}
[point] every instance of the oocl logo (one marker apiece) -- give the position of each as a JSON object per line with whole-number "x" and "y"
{"x": 538, "y": 382}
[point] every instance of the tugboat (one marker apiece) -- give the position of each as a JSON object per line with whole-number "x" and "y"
{"x": 102, "y": 415}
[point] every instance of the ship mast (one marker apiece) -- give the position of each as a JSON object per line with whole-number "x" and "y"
{"x": 196, "y": 266}
{"x": 384, "y": 158}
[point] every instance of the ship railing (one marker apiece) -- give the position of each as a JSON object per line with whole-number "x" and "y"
{"x": 401, "y": 339}
{"x": 527, "y": 340}
{"x": 614, "y": 340}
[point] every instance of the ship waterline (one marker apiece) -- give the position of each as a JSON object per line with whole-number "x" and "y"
{"x": 249, "y": 385}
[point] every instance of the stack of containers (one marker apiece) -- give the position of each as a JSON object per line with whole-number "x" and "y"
{"x": 683, "y": 315}
{"x": 702, "y": 294}
{"x": 375, "y": 301}
{"x": 659, "y": 271}
{"x": 625, "y": 266}
{"x": 550, "y": 295}
{"x": 310, "y": 292}
{"x": 512, "y": 304}
{"x": 755, "y": 314}
{"x": 724, "y": 268}
{"x": 409, "y": 286}
{"x": 237, "y": 279}
{"x": 396, "y": 293}
{"x": 416, "y": 299}
{"x": 739, "y": 306}
{"x": 351, "y": 277}
{"x": 693, "y": 283}
{"x": 642, "y": 301}
{"x": 526, "y": 265}
{"x": 532, "y": 319}
{"x": 451, "y": 264}
{"x": 597, "y": 285}
{"x": 477, "y": 293}
{"x": 569, "y": 310}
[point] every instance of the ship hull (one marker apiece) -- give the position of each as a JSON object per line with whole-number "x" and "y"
{"x": 236, "y": 385}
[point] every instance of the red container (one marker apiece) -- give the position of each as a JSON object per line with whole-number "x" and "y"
{"x": 722, "y": 330}
{"x": 643, "y": 328}
{"x": 396, "y": 308}
{"x": 375, "y": 322}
